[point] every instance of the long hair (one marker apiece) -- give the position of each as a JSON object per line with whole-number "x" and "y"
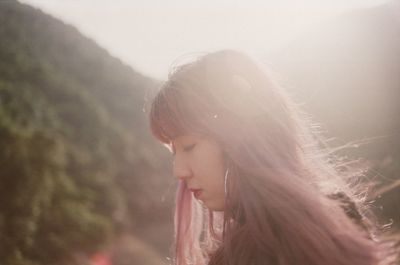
{"x": 277, "y": 209}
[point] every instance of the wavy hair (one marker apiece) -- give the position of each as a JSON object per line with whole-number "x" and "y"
{"x": 281, "y": 204}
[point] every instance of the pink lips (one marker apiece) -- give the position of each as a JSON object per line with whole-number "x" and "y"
{"x": 196, "y": 192}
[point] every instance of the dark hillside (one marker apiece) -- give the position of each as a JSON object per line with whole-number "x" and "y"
{"x": 78, "y": 165}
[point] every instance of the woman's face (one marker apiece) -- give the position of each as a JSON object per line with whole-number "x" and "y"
{"x": 199, "y": 161}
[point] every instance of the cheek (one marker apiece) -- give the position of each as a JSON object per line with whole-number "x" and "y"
{"x": 213, "y": 168}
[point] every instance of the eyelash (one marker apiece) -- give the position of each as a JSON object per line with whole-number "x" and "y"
{"x": 188, "y": 148}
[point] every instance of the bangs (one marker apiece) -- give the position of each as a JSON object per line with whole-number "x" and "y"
{"x": 166, "y": 116}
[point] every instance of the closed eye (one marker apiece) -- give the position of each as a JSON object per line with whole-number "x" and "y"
{"x": 189, "y": 147}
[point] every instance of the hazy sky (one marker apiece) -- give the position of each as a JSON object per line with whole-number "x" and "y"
{"x": 150, "y": 35}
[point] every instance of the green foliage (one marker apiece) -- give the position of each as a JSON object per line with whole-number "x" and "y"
{"x": 72, "y": 148}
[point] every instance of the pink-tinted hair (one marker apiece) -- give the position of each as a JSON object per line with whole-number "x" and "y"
{"x": 277, "y": 208}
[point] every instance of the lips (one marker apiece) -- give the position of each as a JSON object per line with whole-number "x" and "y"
{"x": 196, "y": 192}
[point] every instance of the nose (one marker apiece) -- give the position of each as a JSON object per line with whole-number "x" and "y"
{"x": 181, "y": 168}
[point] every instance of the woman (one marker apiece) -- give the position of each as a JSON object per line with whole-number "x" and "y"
{"x": 253, "y": 189}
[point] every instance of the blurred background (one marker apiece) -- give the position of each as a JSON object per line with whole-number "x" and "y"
{"x": 82, "y": 182}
